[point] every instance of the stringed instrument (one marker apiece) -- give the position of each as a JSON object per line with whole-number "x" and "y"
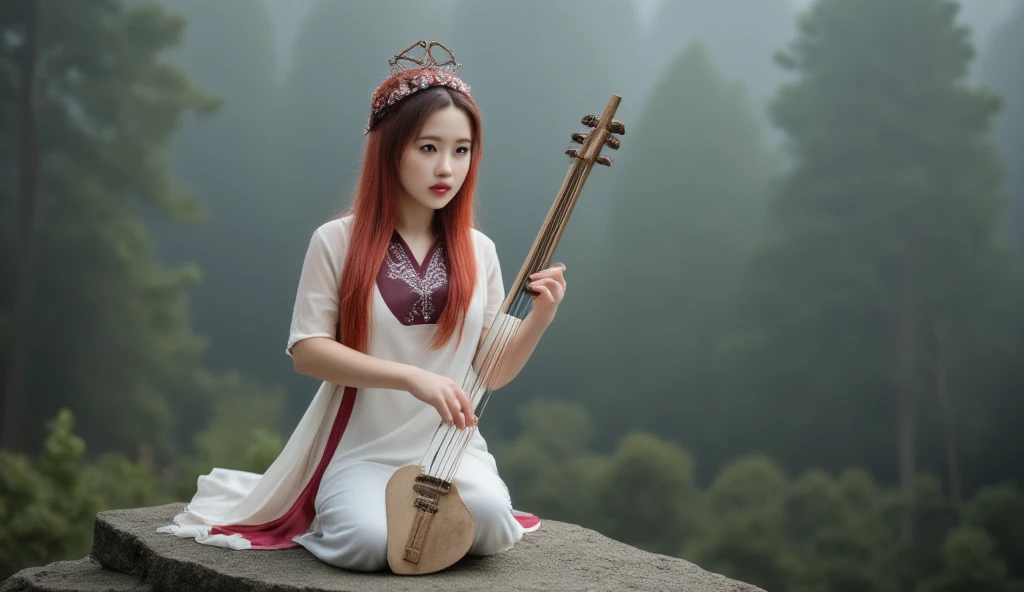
{"x": 429, "y": 526}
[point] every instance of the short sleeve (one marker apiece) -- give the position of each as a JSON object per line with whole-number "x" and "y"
{"x": 316, "y": 300}
{"x": 495, "y": 288}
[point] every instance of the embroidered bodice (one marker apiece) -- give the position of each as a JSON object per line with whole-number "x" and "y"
{"x": 416, "y": 293}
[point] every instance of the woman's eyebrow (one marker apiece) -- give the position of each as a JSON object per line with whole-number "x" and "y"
{"x": 437, "y": 139}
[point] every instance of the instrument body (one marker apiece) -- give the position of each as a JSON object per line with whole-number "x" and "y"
{"x": 429, "y": 526}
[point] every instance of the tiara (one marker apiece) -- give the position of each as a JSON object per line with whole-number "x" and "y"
{"x": 411, "y": 73}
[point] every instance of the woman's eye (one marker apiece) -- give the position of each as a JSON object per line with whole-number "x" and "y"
{"x": 427, "y": 147}
{"x": 462, "y": 150}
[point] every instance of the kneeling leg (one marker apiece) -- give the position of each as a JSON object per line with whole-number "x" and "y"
{"x": 485, "y": 494}
{"x": 350, "y": 529}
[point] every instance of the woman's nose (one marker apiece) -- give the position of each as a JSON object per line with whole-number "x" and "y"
{"x": 444, "y": 167}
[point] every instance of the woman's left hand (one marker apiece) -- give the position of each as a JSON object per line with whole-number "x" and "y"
{"x": 549, "y": 288}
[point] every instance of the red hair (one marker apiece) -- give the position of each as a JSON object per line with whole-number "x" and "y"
{"x": 374, "y": 215}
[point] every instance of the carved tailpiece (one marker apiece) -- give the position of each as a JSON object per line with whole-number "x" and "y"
{"x": 430, "y": 490}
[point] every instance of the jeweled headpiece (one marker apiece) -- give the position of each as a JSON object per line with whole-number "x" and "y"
{"x": 404, "y": 80}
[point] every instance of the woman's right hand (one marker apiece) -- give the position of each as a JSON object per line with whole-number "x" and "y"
{"x": 444, "y": 395}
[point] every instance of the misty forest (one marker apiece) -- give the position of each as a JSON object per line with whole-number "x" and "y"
{"x": 792, "y": 347}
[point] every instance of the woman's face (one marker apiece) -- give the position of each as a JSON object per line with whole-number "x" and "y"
{"x": 434, "y": 165}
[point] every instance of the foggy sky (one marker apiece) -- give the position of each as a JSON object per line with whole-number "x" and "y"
{"x": 981, "y": 15}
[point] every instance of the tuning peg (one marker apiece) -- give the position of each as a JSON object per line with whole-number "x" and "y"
{"x": 612, "y": 142}
{"x": 574, "y": 153}
{"x": 603, "y": 160}
{"x": 579, "y": 138}
{"x": 616, "y": 127}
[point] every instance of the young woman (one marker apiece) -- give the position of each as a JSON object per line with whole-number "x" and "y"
{"x": 393, "y": 301}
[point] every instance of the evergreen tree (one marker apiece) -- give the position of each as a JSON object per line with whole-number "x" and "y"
{"x": 49, "y": 506}
{"x": 689, "y": 211}
{"x": 110, "y": 336}
{"x": 880, "y": 246}
{"x": 1001, "y": 72}
{"x": 740, "y": 39}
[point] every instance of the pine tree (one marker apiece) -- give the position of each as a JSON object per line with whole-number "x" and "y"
{"x": 109, "y": 332}
{"x": 880, "y": 244}
{"x": 740, "y": 39}
{"x": 689, "y": 206}
{"x": 1001, "y": 71}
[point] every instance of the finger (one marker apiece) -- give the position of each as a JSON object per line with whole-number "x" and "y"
{"x": 455, "y": 408}
{"x": 554, "y": 273}
{"x": 464, "y": 400}
{"x": 553, "y": 288}
{"x": 467, "y": 405}
{"x": 453, "y": 415}
{"x": 452, "y": 397}
{"x": 542, "y": 292}
{"x": 458, "y": 410}
{"x": 443, "y": 411}
{"x": 539, "y": 279}
{"x": 555, "y": 277}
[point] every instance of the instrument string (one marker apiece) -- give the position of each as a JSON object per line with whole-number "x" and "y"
{"x": 505, "y": 333}
{"x": 450, "y": 452}
{"x": 501, "y": 363}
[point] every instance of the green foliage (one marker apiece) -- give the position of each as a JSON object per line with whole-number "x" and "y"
{"x": 999, "y": 511}
{"x": 812, "y": 533}
{"x": 47, "y": 510}
{"x": 969, "y": 565}
{"x": 745, "y": 525}
{"x": 934, "y": 515}
{"x": 44, "y": 508}
{"x": 648, "y": 494}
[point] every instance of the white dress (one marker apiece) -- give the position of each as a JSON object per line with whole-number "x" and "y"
{"x": 333, "y": 503}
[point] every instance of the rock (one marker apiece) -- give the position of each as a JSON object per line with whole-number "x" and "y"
{"x": 559, "y": 556}
{"x": 83, "y": 575}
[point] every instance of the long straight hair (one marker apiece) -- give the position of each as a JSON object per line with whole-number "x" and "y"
{"x": 374, "y": 208}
